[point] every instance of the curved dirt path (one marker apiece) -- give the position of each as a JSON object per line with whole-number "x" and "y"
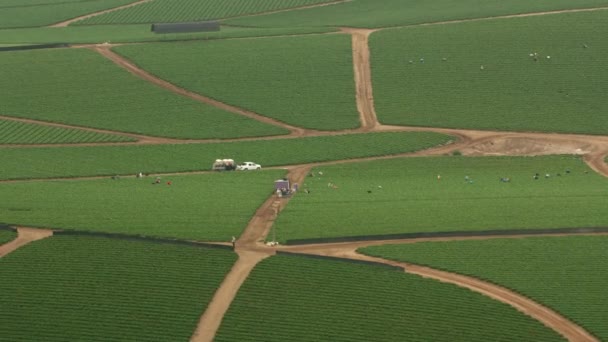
{"x": 135, "y": 70}
{"x": 548, "y": 317}
{"x": 26, "y": 235}
{"x": 86, "y": 16}
{"x": 324, "y": 4}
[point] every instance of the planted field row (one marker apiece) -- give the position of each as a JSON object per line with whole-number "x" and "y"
{"x": 567, "y": 274}
{"x": 305, "y": 299}
{"x": 319, "y": 92}
{"x": 203, "y": 207}
{"x": 373, "y": 14}
{"x": 135, "y": 33}
{"x": 445, "y": 194}
{"x": 102, "y": 95}
{"x": 99, "y": 289}
{"x": 46, "y": 13}
{"x": 7, "y": 235}
{"x": 14, "y": 132}
{"x": 31, "y": 3}
{"x": 551, "y": 80}
{"x": 192, "y": 10}
{"x": 75, "y": 161}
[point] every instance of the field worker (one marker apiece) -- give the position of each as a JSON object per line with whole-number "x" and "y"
{"x": 233, "y": 241}
{"x": 438, "y": 177}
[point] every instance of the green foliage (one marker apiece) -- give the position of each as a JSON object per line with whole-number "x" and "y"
{"x": 204, "y": 207}
{"x": 566, "y": 273}
{"x": 513, "y": 91}
{"x": 98, "y": 289}
{"x": 14, "y": 132}
{"x": 404, "y": 196}
{"x": 318, "y": 93}
{"x": 192, "y": 10}
{"x": 80, "y": 87}
{"x": 42, "y": 13}
{"x": 76, "y": 161}
{"x": 374, "y": 13}
{"x": 304, "y": 299}
{"x": 136, "y": 33}
{"x": 7, "y": 236}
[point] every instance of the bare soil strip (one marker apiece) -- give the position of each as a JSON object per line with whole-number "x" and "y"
{"x": 135, "y": 70}
{"x": 26, "y": 235}
{"x": 337, "y": 2}
{"x": 363, "y": 84}
{"x": 86, "y": 16}
{"x": 211, "y": 320}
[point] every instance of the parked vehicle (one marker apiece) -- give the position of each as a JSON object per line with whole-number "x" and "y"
{"x": 223, "y": 165}
{"x": 246, "y": 166}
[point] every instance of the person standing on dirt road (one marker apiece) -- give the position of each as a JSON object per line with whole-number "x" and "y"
{"x": 233, "y": 243}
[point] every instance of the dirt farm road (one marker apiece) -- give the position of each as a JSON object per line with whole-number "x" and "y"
{"x": 250, "y": 246}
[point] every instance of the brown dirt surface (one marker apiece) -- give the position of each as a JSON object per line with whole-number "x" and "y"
{"x": 135, "y": 70}
{"x": 86, "y": 16}
{"x": 25, "y": 236}
{"x": 211, "y": 319}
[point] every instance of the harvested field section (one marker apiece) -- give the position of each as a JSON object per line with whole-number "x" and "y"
{"x": 13, "y": 132}
{"x": 99, "y": 289}
{"x": 476, "y": 75}
{"x": 445, "y": 194}
{"x": 101, "y": 95}
{"x": 303, "y": 81}
{"x": 327, "y": 300}
{"x": 204, "y": 207}
{"x": 568, "y": 274}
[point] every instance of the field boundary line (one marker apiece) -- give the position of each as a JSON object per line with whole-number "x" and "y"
{"x": 25, "y": 236}
{"x": 141, "y": 73}
{"x": 297, "y": 8}
{"x": 212, "y": 318}
{"x": 94, "y": 14}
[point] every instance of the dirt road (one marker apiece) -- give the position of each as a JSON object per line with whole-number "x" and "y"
{"x": 25, "y": 236}
{"x": 86, "y": 16}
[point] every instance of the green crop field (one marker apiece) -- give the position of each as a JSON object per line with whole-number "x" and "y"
{"x": 42, "y": 13}
{"x": 304, "y": 299}
{"x": 14, "y": 132}
{"x": 404, "y": 196}
{"x": 319, "y": 92}
{"x": 513, "y": 91}
{"x": 204, "y": 207}
{"x": 49, "y": 162}
{"x": 193, "y": 10}
{"x": 6, "y": 236}
{"x": 135, "y": 33}
{"x": 374, "y": 13}
{"x": 567, "y": 274}
{"x": 98, "y": 289}
{"x": 36, "y": 84}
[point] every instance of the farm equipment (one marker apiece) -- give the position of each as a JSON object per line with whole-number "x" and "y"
{"x": 223, "y": 165}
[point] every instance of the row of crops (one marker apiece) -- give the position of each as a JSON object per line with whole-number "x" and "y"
{"x": 303, "y": 299}
{"x": 319, "y": 92}
{"x": 76, "y": 161}
{"x": 14, "y": 132}
{"x": 35, "y": 85}
{"x": 386, "y": 13}
{"x": 568, "y": 274}
{"x": 32, "y": 13}
{"x": 7, "y": 235}
{"x": 203, "y": 207}
{"x": 192, "y": 10}
{"x": 445, "y": 194}
{"x": 99, "y": 289}
{"x": 495, "y": 82}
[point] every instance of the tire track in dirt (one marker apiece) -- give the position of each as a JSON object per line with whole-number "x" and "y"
{"x": 94, "y": 14}
{"x": 135, "y": 70}
{"x": 26, "y": 235}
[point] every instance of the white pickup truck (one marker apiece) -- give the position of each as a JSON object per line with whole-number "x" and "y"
{"x": 248, "y": 166}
